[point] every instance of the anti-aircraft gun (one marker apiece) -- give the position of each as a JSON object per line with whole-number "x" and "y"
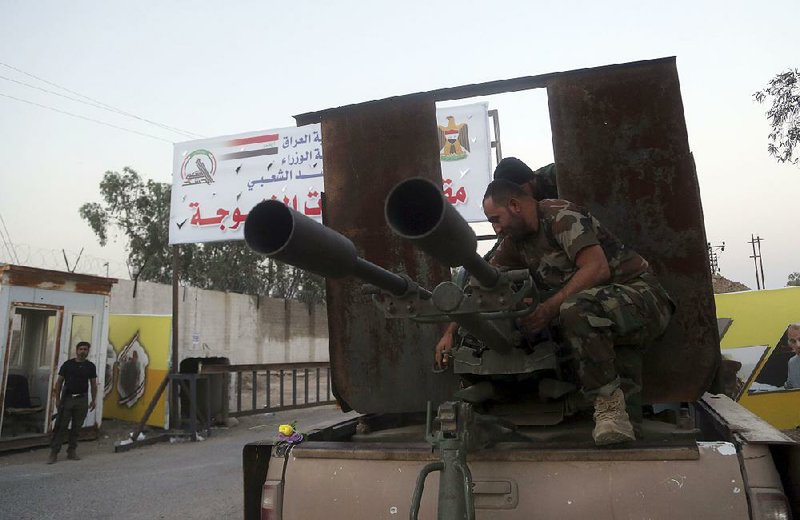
{"x": 485, "y": 308}
{"x": 490, "y": 301}
{"x": 620, "y": 142}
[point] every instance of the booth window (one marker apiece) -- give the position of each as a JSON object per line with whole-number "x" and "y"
{"x": 46, "y": 353}
{"x": 80, "y": 330}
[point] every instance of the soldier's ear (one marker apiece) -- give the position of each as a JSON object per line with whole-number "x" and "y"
{"x": 514, "y": 205}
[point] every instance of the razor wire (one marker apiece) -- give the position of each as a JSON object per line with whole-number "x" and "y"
{"x": 54, "y": 259}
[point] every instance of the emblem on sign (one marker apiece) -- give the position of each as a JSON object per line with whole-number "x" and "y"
{"x": 198, "y": 168}
{"x": 453, "y": 140}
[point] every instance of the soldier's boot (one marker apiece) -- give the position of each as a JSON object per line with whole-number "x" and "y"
{"x": 71, "y": 455}
{"x": 53, "y": 458}
{"x": 611, "y": 422}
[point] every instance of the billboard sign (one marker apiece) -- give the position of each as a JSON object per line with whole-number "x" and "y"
{"x": 217, "y": 181}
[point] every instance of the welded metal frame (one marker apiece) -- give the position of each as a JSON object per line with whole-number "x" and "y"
{"x": 621, "y": 150}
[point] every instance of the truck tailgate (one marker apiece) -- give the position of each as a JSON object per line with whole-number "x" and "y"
{"x": 352, "y": 480}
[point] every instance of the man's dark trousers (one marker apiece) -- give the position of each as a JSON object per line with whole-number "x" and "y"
{"x": 73, "y": 409}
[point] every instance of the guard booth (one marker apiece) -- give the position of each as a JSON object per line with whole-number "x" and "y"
{"x": 43, "y": 315}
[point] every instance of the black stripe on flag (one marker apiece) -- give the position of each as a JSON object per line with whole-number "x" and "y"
{"x": 249, "y": 153}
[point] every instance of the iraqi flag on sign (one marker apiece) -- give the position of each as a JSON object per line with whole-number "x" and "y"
{"x": 247, "y": 147}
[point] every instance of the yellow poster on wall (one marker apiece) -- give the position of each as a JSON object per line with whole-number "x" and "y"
{"x": 137, "y": 360}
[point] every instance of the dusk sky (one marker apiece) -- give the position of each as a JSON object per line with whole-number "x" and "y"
{"x": 213, "y": 69}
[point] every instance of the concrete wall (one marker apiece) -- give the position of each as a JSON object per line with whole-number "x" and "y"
{"x": 236, "y": 326}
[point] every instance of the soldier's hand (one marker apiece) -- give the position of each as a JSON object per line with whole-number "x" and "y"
{"x": 92, "y": 405}
{"x": 546, "y": 312}
{"x": 443, "y": 348}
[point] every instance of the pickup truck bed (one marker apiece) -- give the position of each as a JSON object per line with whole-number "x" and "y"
{"x": 367, "y": 468}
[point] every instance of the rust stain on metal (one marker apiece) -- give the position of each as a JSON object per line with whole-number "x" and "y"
{"x": 56, "y": 280}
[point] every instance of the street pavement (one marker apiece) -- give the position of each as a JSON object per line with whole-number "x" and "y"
{"x": 198, "y": 480}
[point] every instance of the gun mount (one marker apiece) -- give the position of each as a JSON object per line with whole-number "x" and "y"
{"x": 281, "y": 233}
{"x": 417, "y": 210}
{"x": 489, "y": 342}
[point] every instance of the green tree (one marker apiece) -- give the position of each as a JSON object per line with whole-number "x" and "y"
{"x": 794, "y": 280}
{"x": 139, "y": 209}
{"x": 783, "y": 92}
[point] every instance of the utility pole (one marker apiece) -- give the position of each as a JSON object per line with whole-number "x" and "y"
{"x": 760, "y": 261}
{"x": 174, "y": 396}
{"x": 757, "y": 261}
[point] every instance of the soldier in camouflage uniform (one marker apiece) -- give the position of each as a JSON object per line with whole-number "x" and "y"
{"x": 540, "y": 184}
{"x": 605, "y": 294}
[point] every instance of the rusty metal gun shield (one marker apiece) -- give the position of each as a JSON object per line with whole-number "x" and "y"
{"x": 622, "y": 151}
{"x": 380, "y": 364}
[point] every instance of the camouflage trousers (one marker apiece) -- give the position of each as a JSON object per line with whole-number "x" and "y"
{"x": 606, "y": 329}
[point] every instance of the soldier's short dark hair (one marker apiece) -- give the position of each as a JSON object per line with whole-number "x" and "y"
{"x": 514, "y": 170}
{"x": 542, "y": 181}
{"x": 500, "y": 190}
{"x": 83, "y": 344}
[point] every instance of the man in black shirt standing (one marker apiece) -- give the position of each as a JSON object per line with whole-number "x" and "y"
{"x": 74, "y": 377}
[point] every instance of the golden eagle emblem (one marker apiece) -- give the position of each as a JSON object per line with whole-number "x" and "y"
{"x": 453, "y": 140}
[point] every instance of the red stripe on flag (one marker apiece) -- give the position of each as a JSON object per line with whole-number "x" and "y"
{"x": 251, "y": 140}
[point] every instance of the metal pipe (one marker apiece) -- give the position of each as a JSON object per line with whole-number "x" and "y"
{"x": 380, "y": 277}
{"x": 174, "y": 402}
{"x": 417, "y": 210}
{"x": 469, "y": 501}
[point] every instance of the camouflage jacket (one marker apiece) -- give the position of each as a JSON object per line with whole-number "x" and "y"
{"x": 565, "y": 229}
{"x": 544, "y": 184}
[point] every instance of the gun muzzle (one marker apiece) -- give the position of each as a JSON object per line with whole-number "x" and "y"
{"x": 417, "y": 210}
{"x": 283, "y": 234}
